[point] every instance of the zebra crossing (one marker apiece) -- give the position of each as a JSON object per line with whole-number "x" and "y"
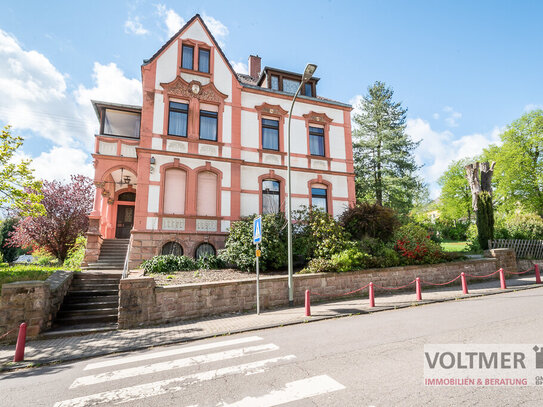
{"x": 192, "y": 366}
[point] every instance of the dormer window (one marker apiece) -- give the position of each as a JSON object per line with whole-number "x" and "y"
{"x": 187, "y": 61}
{"x": 290, "y": 85}
{"x": 203, "y": 60}
{"x": 308, "y": 89}
{"x": 274, "y": 82}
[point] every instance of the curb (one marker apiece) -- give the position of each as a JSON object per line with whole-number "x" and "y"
{"x": 11, "y": 366}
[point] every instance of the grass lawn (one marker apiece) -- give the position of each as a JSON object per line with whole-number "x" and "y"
{"x": 24, "y": 273}
{"x": 452, "y": 246}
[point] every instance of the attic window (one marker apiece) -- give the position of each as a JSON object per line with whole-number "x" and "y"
{"x": 274, "y": 82}
{"x": 187, "y": 57}
{"x": 203, "y": 60}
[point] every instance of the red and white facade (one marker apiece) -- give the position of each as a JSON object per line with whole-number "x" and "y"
{"x": 194, "y": 157}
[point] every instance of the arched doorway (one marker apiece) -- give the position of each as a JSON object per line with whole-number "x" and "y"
{"x": 125, "y": 215}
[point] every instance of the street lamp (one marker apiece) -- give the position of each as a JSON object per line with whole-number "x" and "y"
{"x": 308, "y": 73}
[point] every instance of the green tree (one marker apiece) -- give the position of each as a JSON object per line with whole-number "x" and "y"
{"x": 385, "y": 167}
{"x": 455, "y": 197}
{"x": 518, "y": 177}
{"x": 19, "y": 189}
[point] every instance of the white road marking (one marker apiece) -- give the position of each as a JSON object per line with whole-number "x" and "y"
{"x": 292, "y": 391}
{"x": 173, "y": 364}
{"x": 123, "y": 359}
{"x": 142, "y": 391}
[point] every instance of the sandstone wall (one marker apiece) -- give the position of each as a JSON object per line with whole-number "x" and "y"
{"x": 33, "y": 302}
{"x": 142, "y": 303}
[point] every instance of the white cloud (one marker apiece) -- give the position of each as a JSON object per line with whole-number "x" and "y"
{"x": 134, "y": 27}
{"x": 438, "y": 149}
{"x": 452, "y": 116}
{"x": 110, "y": 85}
{"x": 61, "y": 162}
{"x": 531, "y": 106}
{"x": 240, "y": 67}
{"x": 436, "y": 116}
{"x": 33, "y": 94}
{"x": 218, "y": 29}
{"x": 34, "y": 97}
{"x": 173, "y": 21}
{"x": 356, "y": 103}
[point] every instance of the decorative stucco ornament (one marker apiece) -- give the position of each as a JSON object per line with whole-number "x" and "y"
{"x": 195, "y": 88}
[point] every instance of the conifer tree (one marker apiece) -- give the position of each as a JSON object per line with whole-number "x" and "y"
{"x": 385, "y": 166}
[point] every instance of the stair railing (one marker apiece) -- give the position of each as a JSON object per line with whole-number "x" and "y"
{"x": 125, "y": 268}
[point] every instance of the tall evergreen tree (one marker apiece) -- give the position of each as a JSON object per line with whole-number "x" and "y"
{"x": 385, "y": 166}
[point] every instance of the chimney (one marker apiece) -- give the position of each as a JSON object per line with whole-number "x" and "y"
{"x": 254, "y": 66}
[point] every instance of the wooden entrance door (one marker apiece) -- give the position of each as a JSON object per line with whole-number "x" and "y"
{"x": 125, "y": 221}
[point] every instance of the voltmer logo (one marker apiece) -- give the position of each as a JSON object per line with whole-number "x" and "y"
{"x": 483, "y": 365}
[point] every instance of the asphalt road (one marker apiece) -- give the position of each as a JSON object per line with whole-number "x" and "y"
{"x": 366, "y": 360}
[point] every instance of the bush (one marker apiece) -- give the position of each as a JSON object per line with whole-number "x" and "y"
{"x": 317, "y": 234}
{"x": 239, "y": 248}
{"x": 43, "y": 258}
{"x": 76, "y": 254}
{"x": 381, "y": 254}
{"x": 210, "y": 262}
{"x": 415, "y": 246}
{"x": 9, "y": 252}
{"x": 350, "y": 259}
{"x": 524, "y": 226}
{"x": 320, "y": 266}
{"x": 168, "y": 263}
{"x": 368, "y": 220}
{"x": 472, "y": 238}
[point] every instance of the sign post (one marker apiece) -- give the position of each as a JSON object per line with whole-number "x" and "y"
{"x": 257, "y": 238}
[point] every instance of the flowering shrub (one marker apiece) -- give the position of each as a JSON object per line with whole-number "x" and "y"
{"x": 415, "y": 246}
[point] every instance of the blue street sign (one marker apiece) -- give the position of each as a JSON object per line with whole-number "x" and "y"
{"x": 257, "y": 230}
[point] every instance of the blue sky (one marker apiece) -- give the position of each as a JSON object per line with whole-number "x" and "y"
{"x": 464, "y": 69}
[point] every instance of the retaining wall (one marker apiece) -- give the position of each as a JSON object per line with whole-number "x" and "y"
{"x": 33, "y": 302}
{"x": 142, "y": 303}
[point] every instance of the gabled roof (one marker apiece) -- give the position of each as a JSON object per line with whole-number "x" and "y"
{"x": 188, "y": 23}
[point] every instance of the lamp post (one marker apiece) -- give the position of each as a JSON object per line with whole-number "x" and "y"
{"x": 308, "y": 73}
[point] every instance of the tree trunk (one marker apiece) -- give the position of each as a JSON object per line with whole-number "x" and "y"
{"x": 485, "y": 219}
{"x": 481, "y": 200}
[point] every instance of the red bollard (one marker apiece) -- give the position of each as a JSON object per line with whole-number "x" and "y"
{"x": 307, "y": 304}
{"x": 20, "y": 347}
{"x": 418, "y": 289}
{"x": 537, "y": 275}
{"x": 502, "y": 280}
{"x": 372, "y": 296}
{"x": 464, "y": 283}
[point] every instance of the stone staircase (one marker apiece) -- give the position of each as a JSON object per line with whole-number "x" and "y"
{"x": 112, "y": 255}
{"x": 91, "y": 305}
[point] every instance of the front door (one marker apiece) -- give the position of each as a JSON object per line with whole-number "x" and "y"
{"x": 125, "y": 220}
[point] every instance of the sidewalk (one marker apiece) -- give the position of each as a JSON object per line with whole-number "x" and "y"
{"x": 98, "y": 344}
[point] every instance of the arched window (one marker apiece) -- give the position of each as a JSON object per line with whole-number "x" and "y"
{"x": 172, "y": 248}
{"x": 206, "y": 203}
{"x": 204, "y": 250}
{"x": 127, "y": 197}
{"x": 270, "y": 196}
{"x": 319, "y": 196}
{"x": 174, "y": 191}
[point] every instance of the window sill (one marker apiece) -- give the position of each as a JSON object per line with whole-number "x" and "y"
{"x": 195, "y": 72}
{"x": 269, "y": 151}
